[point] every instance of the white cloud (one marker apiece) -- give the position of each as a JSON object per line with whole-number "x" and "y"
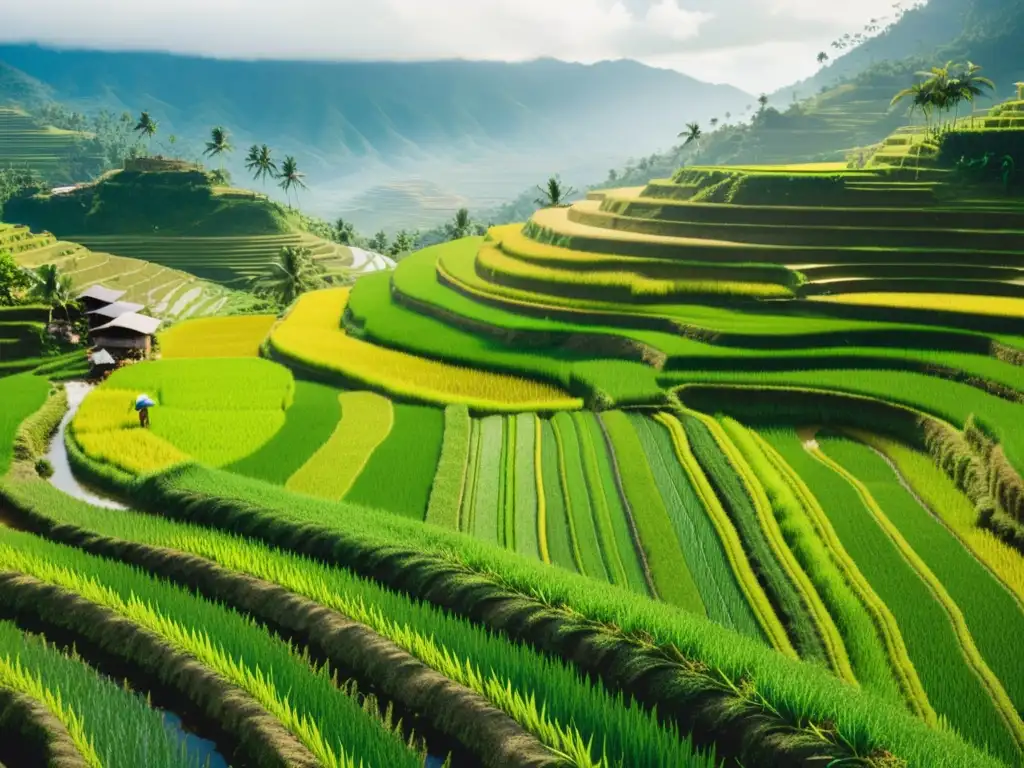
{"x": 755, "y": 44}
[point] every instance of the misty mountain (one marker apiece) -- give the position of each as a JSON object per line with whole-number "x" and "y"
{"x": 476, "y": 131}
{"x": 985, "y": 31}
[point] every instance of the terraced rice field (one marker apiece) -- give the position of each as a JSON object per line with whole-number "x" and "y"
{"x": 26, "y": 144}
{"x": 615, "y": 487}
{"x": 165, "y": 292}
{"x": 228, "y": 261}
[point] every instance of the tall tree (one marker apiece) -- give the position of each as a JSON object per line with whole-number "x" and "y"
{"x": 921, "y": 100}
{"x": 146, "y": 127}
{"x": 379, "y": 242}
{"x": 762, "y": 100}
{"x": 822, "y": 58}
{"x": 289, "y": 177}
{"x": 553, "y": 194}
{"x": 713, "y": 122}
{"x": 693, "y": 134}
{"x": 459, "y": 227}
{"x": 52, "y": 288}
{"x": 403, "y": 244}
{"x": 293, "y": 273}
{"x": 967, "y": 86}
{"x": 14, "y": 280}
{"x": 219, "y": 144}
{"x": 260, "y": 163}
{"x": 345, "y": 232}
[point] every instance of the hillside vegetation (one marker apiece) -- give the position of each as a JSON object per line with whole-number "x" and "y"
{"x": 179, "y": 220}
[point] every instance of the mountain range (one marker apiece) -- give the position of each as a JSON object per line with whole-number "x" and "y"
{"x": 467, "y": 132}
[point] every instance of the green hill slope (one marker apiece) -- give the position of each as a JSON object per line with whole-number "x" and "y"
{"x": 175, "y": 217}
{"x": 51, "y": 152}
{"x": 165, "y": 292}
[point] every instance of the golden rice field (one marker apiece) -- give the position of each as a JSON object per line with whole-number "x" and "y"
{"x": 239, "y": 336}
{"x": 312, "y": 336}
{"x": 952, "y": 302}
{"x": 503, "y": 268}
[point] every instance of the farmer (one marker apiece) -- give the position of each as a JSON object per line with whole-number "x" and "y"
{"x": 142, "y": 405}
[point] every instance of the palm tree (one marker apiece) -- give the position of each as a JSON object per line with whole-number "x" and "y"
{"x": 52, "y": 288}
{"x": 763, "y": 101}
{"x": 461, "y": 226}
{"x": 921, "y": 97}
{"x": 692, "y": 133}
{"x": 967, "y": 86}
{"x": 714, "y": 122}
{"x": 554, "y": 194}
{"x": 289, "y": 177}
{"x": 292, "y": 274}
{"x": 219, "y": 144}
{"x": 260, "y": 162}
{"x": 822, "y": 58}
{"x": 146, "y": 127}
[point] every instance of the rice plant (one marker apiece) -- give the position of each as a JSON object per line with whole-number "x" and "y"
{"x": 311, "y": 336}
{"x": 720, "y": 592}
{"x": 238, "y": 336}
{"x": 733, "y": 489}
{"x": 953, "y": 689}
{"x": 366, "y": 421}
{"x": 582, "y": 529}
{"x": 413, "y": 443}
{"x": 21, "y": 395}
{"x": 557, "y": 535}
{"x": 487, "y": 494}
{"x": 627, "y": 546}
{"x": 549, "y": 698}
{"x": 449, "y": 484}
{"x": 306, "y": 701}
{"x": 989, "y": 610}
{"x": 527, "y": 484}
{"x": 309, "y": 422}
{"x": 670, "y": 572}
{"x": 114, "y": 727}
{"x": 952, "y": 507}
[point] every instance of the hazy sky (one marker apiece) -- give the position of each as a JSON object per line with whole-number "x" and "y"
{"x": 754, "y": 44}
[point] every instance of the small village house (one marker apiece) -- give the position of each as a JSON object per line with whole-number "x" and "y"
{"x": 130, "y": 332}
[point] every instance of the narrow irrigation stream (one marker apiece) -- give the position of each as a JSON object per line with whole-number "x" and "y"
{"x": 63, "y": 478}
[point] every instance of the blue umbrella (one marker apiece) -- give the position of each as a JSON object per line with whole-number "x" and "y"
{"x": 144, "y": 401}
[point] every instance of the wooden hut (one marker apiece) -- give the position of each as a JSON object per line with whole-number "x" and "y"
{"x": 128, "y": 332}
